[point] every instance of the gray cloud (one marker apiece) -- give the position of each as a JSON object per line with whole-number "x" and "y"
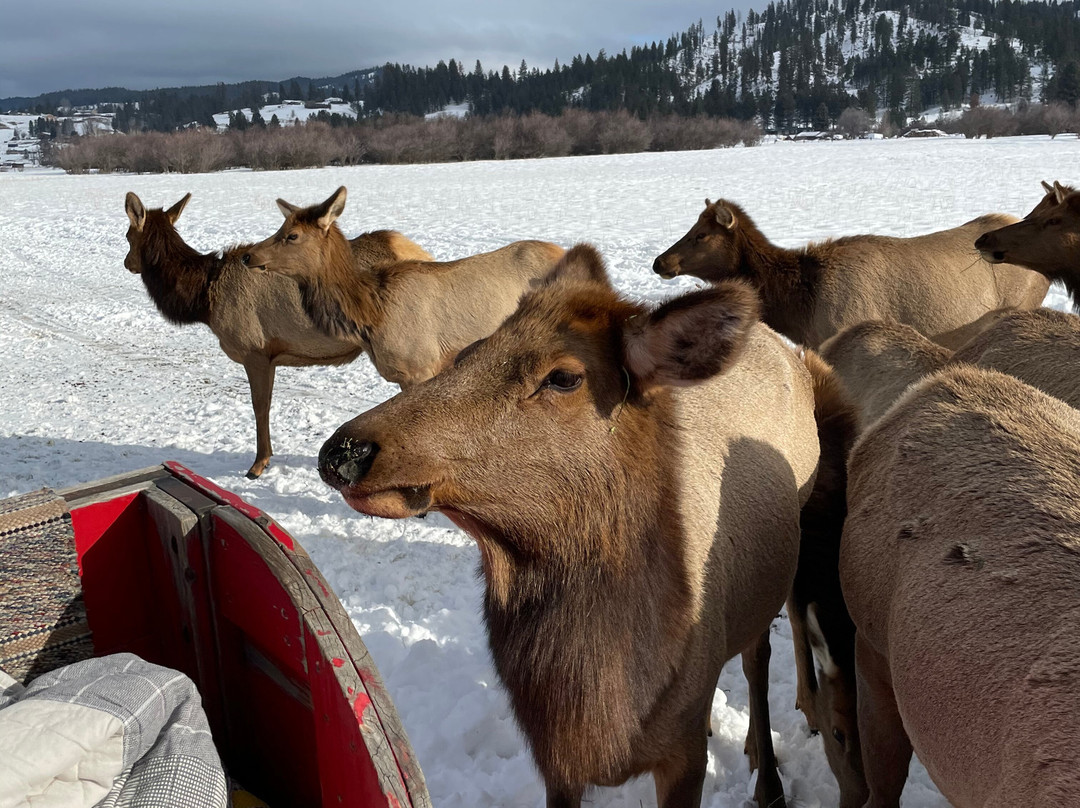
{"x": 74, "y": 44}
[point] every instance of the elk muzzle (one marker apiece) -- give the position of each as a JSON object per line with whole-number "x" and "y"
{"x": 344, "y": 461}
{"x": 665, "y": 266}
{"x": 985, "y": 245}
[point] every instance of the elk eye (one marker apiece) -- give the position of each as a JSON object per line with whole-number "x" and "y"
{"x": 562, "y": 381}
{"x": 291, "y": 237}
{"x": 839, "y": 736}
{"x": 1053, "y": 222}
{"x": 702, "y": 236}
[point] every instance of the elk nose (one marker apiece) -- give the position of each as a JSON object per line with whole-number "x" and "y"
{"x": 659, "y": 266}
{"x": 344, "y": 461}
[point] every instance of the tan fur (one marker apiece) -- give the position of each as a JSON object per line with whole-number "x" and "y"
{"x": 877, "y": 361}
{"x": 413, "y": 317}
{"x": 259, "y": 320}
{"x": 960, "y": 564}
{"x": 935, "y": 283}
{"x": 1046, "y": 241}
{"x": 636, "y": 511}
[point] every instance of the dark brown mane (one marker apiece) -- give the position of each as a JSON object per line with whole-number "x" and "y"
{"x": 344, "y": 301}
{"x": 787, "y": 280}
{"x": 178, "y": 278}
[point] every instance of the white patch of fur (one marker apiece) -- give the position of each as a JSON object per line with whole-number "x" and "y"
{"x": 817, "y": 643}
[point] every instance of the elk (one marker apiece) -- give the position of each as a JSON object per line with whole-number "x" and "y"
{"x": 959, "y": 566}
{"x": 633, "y": 480}
{"x": 1047, "y": 240}
{"x": 935, "y": 282}
{"x": 412, "y": 317}
{"x": 875, "y": 363}
{"x": 259, "y": 320}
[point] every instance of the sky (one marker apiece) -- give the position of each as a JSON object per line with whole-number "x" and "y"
{"x": 75, "y": 44}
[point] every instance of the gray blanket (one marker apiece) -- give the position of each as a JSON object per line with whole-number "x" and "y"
{"x": 115, "y": 732}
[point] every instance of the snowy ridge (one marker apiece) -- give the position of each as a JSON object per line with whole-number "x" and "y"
{"x": 95, "y": 382}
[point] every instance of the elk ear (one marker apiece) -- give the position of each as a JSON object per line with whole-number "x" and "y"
{"x": 819, "y": 645}
{"x": 1060, "y": 192}
{"x": 581, "y": 262}
{"x": 692, "y": 338}
{"x": 174, "y": 212}
{"x": 1047, "y": 187}
{"x": 724, "y": 216}
{"x": 708, "y": 203}
{"x": 286, "y": 209}
{"x": 326, "y": 214}
{"x": 136, "y": 211}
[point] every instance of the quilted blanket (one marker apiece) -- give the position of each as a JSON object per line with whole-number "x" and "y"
{"x": 115, "y": 732}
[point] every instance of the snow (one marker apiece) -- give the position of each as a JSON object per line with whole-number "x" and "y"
{"x": 289, "y": 112}
{"x": 95, "y": 382}
{"x": 451, "y": 111}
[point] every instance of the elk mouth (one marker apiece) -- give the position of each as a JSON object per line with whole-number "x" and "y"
{"x": 245, "y": 259}
{"x": 993, "y": 256}
{"x": 662, "y": 269}
{"x": 389, "y": 503}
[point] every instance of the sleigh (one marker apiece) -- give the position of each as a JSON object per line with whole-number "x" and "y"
{"x": 165, "y": 564}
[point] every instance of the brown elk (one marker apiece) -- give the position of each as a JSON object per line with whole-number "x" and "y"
{"x": 1047, "y": 240}
{"x": 412, "y": 317}
{"x": 959, "y": 567}
{"x": 633, "y": 480}
{"x": 935, "y": 283}
{"x": 259, "y": 320}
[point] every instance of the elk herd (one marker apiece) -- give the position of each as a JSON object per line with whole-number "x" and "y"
{"x": 647, "y": 486}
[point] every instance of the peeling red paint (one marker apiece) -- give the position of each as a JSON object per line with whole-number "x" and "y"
{"x": 338, "y": 662}
{"x": 318, "y": 580}
{"x": 392, "y": 801}
{"x": 362, "y": 703}
{"x": 351, "y": 691}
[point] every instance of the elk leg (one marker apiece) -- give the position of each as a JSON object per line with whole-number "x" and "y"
{"x": 679, "y": 780}
{"x": 260, "y": 373}
{"x": 886, "y": 746}
{"x": 769, "y": 792}
{"x": 563, "y": 798}
{"x": 805, "y": 676}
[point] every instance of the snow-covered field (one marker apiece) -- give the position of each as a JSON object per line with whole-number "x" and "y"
{"x": 95, "y": 382}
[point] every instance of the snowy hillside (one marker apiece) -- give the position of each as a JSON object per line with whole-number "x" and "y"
{"x": 290, "y": 112}
{"x": 95, "y": 382}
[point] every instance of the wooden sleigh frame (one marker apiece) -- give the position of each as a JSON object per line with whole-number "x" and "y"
{"x": 187, "y": 575}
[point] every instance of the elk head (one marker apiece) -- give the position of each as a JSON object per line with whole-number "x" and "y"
{"x": 303, "y": 241}
{"x": 139, "y": 234}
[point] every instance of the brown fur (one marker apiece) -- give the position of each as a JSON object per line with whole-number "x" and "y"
{"x": 960, "y": 564}
{"x": 1047, "y": 240}
{"x": 935, "y": 283}
{"x": 259, "y": 320}
{"x": 821, "y": 626}
{"x": 635, "y": 499}
{"x": 413, "y": 317}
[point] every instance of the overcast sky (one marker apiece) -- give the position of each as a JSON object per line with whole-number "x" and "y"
{"x": 75, "y": 44}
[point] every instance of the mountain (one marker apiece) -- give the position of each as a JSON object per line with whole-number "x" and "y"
{"x": 796, "y": 63}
